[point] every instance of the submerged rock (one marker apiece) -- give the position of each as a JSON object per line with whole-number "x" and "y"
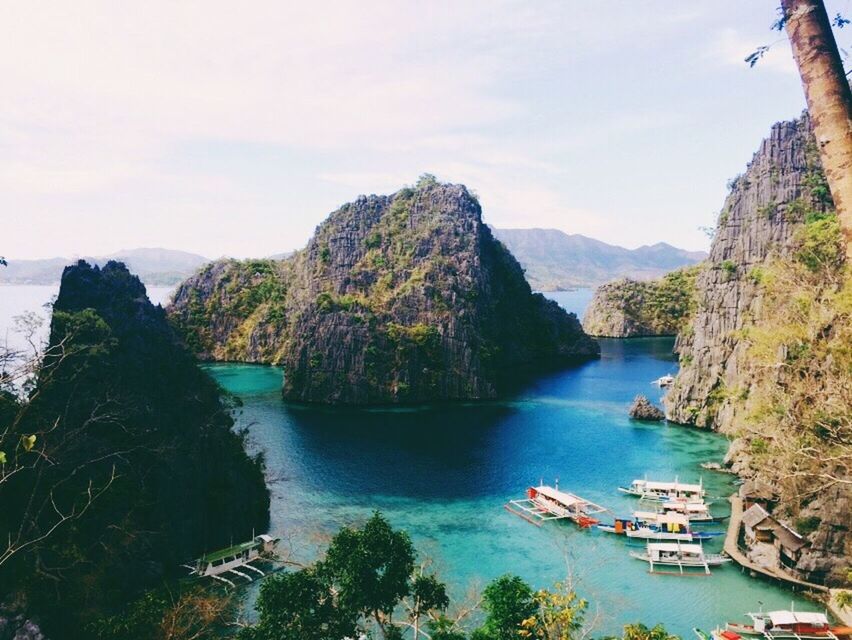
{"x": 400, "y": 298}
{"x": 642, "y": 409}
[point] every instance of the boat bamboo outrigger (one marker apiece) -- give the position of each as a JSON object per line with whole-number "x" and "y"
{"x": 798, "y": 625}
{"x": 653, "y": 490}
{"x": 231, "y": 559}
{"x": 549, "y": 503}
{"x": 679, "y": 555}
{"x": 652, "y": 525}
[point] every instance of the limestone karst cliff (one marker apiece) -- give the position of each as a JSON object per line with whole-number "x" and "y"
{"x": 766, "y": 356}
{"x": 135, "y": 442}
{"x": 629, "y": 308}
{"x": 400, "y": 298}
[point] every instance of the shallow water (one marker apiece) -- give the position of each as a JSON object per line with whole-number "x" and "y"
{"x": 443, "y": 473}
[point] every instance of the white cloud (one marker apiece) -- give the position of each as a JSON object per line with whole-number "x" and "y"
{"x": 730, "y": 47}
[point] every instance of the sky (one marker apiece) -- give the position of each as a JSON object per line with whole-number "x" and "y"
{"x": 235, "y": 128}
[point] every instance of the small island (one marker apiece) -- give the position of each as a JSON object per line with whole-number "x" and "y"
{"x": 396, "y": 299}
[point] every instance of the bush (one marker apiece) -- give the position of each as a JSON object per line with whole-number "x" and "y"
{"x": 821, "y": 245}
{"x": 807, "y": 525}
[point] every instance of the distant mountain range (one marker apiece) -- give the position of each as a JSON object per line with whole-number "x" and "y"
{"x": 554, "y": 260}
{"x": 153, "y": 266}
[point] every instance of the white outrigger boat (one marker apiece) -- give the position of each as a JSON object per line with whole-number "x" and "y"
{"x": 231, "y": 559}
{"x": 653, "y": 525}
{"x": 656, "y": 491}
{"x": 664, "y": 381}
{"x": 549, "y": 503}
{"x": 679, "y": 555}
{"x": 798, "y": 625}
{"x": 696, "y": 512}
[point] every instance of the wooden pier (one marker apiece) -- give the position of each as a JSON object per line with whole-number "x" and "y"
{"x": 732, "y": 548}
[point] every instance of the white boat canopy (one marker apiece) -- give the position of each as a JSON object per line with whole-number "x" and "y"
{"x": 652, "y": 485}
{"x": 779, "y": 618}
{"x": 565, "y": 499}
{"x": 669, "y": 517}
{"x": 675, "y": 547}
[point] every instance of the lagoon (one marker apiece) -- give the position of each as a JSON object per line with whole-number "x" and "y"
{"x": 444, "y": 472}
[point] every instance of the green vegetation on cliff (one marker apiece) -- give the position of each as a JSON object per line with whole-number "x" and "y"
{"x": 401, "y": 298}
{"x": 766, "y": 357}
{"x": 627, "y": 308}
{"x": 120, "y": 463}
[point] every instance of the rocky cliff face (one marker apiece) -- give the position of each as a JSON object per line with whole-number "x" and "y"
{"x": 134, "y": 422}
{"x": 629, "y": 308}
{"x": 758, "y": 221}
{"x": 400, "y": 298}
{"x": 763, "y": 358}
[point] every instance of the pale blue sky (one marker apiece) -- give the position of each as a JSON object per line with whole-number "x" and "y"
{"x": 234, "y": 130}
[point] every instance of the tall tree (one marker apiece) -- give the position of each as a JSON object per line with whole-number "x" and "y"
{"x": 829, "y": 99}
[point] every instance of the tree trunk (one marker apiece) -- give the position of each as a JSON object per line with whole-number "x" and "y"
{"x": 829, "y": 100}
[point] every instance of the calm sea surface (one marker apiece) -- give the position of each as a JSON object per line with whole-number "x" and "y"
{"x": 444, "y": 472}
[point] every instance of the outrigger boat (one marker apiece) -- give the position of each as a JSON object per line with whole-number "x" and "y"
{"x": 679, "y": 555}
{"x": 697, "y": 512}
{"x": 798, "y": 625}
{"x": 549, "y": 503}
{"x": 231, "y": 559}
{"x": 664, "y": 381}
{"x": 656, "y": 491}
{"x": 651, "y": 525}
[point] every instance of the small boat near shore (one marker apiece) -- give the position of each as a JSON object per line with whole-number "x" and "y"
{"x": 230, "y": 560}
{"x": 549, "y": 503}
{"x": 696, "y": 512}
{"x": 798, "y": 625}
{"x": 664, "y": 381}
{"x": 657, "y": 491}
{"x": 652, "y": 525}
{"x": 682, "y": 556}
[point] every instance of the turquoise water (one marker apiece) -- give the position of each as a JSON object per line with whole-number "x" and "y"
{"x": 443, "y": 473}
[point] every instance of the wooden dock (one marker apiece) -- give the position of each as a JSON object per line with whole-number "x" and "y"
{"x": 732, "y": 548}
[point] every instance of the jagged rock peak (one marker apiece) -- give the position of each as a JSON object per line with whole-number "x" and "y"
{"x": 399, "y": 298}
{"x": 642, "y": 409}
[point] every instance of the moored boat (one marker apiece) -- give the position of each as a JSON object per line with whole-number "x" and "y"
{"x": 664, "y": 381}
{"x": 651, "y": 525}
{"x": 231, "y": 560}
{"x": 697, "y": 512}
{"x": 683, "y": 556}
{"x": 800, "y": 625}
{"x": 654, "y": 490}
{"x": 549, "y": 503}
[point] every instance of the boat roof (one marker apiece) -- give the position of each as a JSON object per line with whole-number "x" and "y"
{"x": 793, "y": 617}
{"x": 567, "y": 499}
{"x": 693, "y": 507}
{"x": 674, "y": 546}
{"x": 564, "y": 498}
{"x": 233, "y": 550}
{"x": 669, "y": 486}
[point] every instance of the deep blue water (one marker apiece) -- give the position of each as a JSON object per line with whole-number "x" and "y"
{"x": 444, "y": 472}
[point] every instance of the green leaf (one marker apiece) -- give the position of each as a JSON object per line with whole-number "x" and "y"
{"x": 28, "y": 442}
{"x": 2, "y": 457}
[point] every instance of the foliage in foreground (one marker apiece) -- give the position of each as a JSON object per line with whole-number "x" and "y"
{"x": 370, "y": 583}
